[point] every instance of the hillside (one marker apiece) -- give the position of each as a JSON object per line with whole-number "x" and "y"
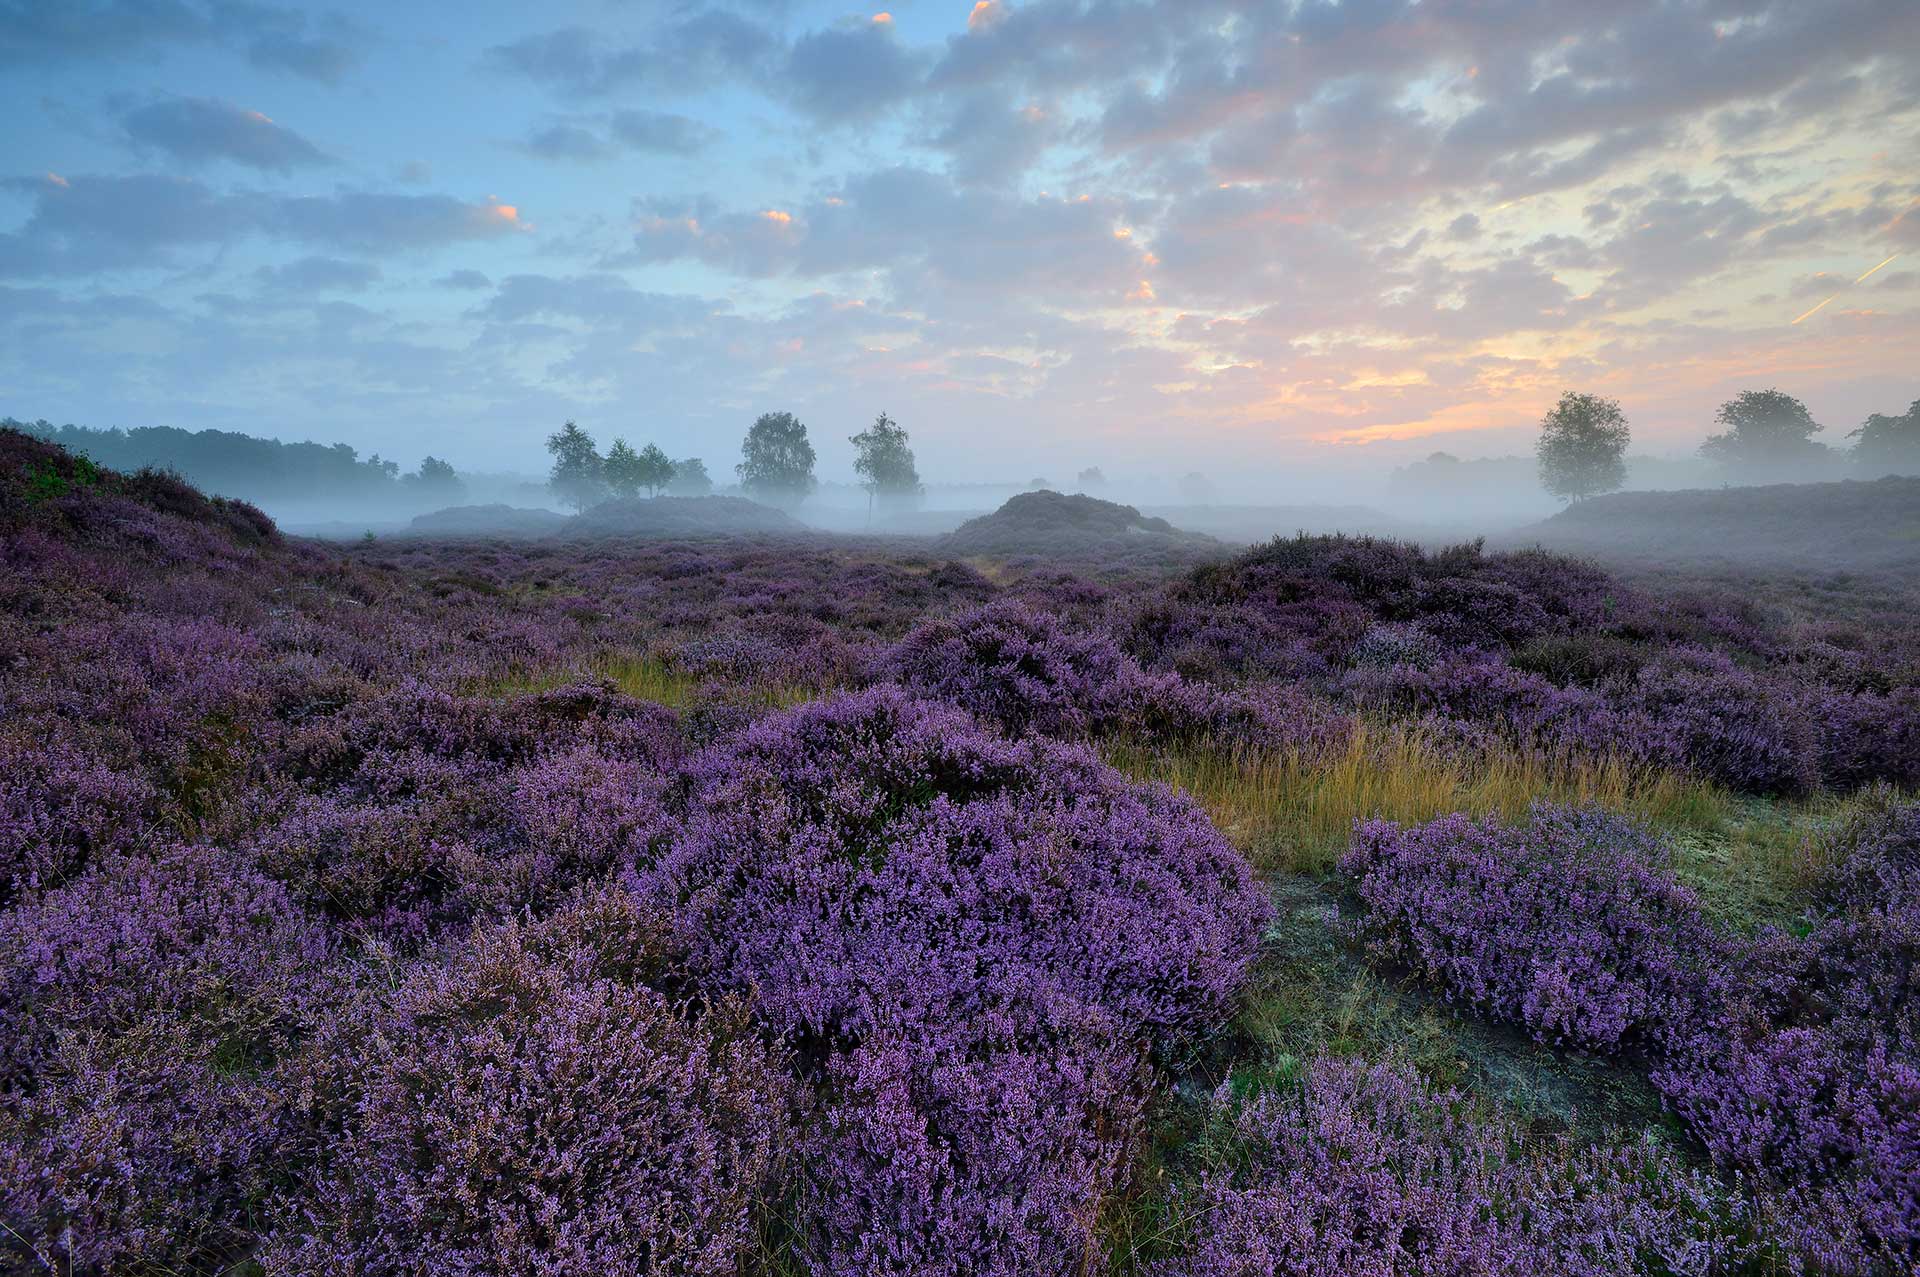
{"x": 1852, "y": 525}
{"x": 1051, "y": 525}
{"x": 681, "y": 517}
{"x": 486, "y": 521}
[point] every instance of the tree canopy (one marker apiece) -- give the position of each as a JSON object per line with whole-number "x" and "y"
{"x": 654, "y": 469}
{"x": 578, "y": 478}
{"x": 1769, "y": 434}
{"x": 1889, "y": 445}
{"x": 690, "y": 478}
{"x": 1582, "y": 447}
{"x": 776, "y": 461}
{"x": 436, "y": 480}
{"x": 884, "y": 462}
{"x": 228, "y": 463}
{"x": 627, "y": 471}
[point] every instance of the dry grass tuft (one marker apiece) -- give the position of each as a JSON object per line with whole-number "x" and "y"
{"x": 1294, "y": 811}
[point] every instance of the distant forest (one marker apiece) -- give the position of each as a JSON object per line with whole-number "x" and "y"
{"x": 232, "y": 464}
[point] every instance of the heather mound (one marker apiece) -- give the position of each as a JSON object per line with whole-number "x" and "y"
{"x": 487, "y": 521}
{"x": 1861, "y": 525}
{"x": 681, "y": 517}
{"x": 1055, "y": 526}
{"x": 45, "y": 488}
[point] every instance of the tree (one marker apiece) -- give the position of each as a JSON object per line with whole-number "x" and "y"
{"x": 655, "y": 469}
{"x": 436, "y": 481}
{"x": 1091, "y": 477}
{"x": 628, "y": 471}
{"x": 884, "y": 462}
{"x": 690, "y": 478}
{"x": 776, "y": 461}
{"x": 1196, "y": 489}
{"x": 1039, "y": 483}
{"x": 1889, "y": 445}
{"x": 621, "y": 470}
{"x": 578, "y": 477}
{"x": 1769, "y": 435}
{"x": 1583, "y": 446}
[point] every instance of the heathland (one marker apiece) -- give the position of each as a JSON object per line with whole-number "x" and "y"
{"x": 1066, "y": 895}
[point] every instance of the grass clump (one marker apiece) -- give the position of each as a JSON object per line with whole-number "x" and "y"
{"x": 1293, "y": 811}
{"x": 643, "y": 677}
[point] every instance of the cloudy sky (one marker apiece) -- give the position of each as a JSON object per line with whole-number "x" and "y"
{"x": 1232, "y": 235}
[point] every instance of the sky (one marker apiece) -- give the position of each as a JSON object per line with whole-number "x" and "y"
{"x": 1258, "y": 240}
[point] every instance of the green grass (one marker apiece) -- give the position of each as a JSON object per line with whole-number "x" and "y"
{"x": 1294, "y": 811}
{"x": 643, "y": 677}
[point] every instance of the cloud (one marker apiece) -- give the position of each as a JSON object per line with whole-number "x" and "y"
{"x": 83, "y": 224}
{"x": 566, "y": 142}
{"x": 917, "y": 223}
{"x": 849, "y": 73}
{"x": 694, "y": 52}
{"x": 465, "y": 280}
{"x": 36, "y": 32}
{"x": 318, "y": 274}
{"x": 198, "y": 130}
{"x": 660, "y": 132}
{"x": 647, "y": 132}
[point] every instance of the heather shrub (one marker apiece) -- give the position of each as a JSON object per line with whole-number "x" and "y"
{"x": 1239, "y": 640}
{"x": 146, "y": 1008}
{"x": 1582, "y": 659}
{"x": 1568, "y": 923}
{"x": 1792, "y": 1059}
{"x": 534, "y": 1106}
{"x": 418, "y": 811}
{"x": 60, "y": 803}
{"x": 1727, "y": 724}
{"x": 1365, "y": 1169}
{"x": 1866, "y": 736}
{"x": 951, "y": 924}
{"x": 1394, "y": 643}
{"x": 1016, "y": 667}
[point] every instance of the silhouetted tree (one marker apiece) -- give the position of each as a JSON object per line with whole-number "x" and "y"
{"x": 655, "y": 469}
{"x": 776, "y": 461}
{"x": 1583, "y": 447}
{"x": 578, "y": 477}
{"x": 1769, "y": 435}
{"x": 436, "y": 481}
{"x": 884, "y": 462}
{"x": 621, "y": 470}
{"x": 1196, "y": 488}
{"x": 690, "y": 478}
{"x": 1889, "y": 445}
{"x": 1091, "y": 477}
{"x": 221, "y": 461}
{"x": 1039, "y": 482}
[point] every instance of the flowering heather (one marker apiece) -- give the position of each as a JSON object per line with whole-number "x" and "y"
{"x": 144, "y": 1009}
{"x": 533, "y": 1106}
{"x": 1017, "y": 667}
{"x": 329, "y": 940}
{"x": 1569, "y": 924}
{"x": 1361, "y": 1169}
{"x": 956, "y": 926}
{"x": 1795, "y": 1061}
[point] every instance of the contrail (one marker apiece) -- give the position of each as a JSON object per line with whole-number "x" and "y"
{"x": 1863, "y": 278}
{"x": 1816, "y": 310}
{"x": 1823, "y": 305}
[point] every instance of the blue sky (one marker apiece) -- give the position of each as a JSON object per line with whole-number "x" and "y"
{"x": 1220, "y": 234}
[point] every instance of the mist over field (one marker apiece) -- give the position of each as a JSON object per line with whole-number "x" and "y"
{"x": 996, "y": 638}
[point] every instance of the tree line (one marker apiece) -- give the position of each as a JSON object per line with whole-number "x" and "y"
{"x": 232, "y": 464}
{"x": 1766, "y": 436}
{"x": 776, "y": 465}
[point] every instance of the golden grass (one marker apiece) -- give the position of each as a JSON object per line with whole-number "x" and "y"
{"x": 1294, "y": 811}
